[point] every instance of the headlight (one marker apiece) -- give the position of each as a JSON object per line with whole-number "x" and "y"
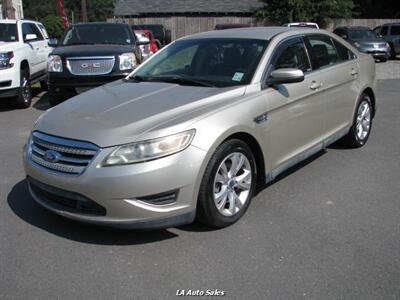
{"x": 54, "y": 63}
{"x": 127, "y": 61}
{"x": 5, "y": 58}
{"x": 150, "y": 149}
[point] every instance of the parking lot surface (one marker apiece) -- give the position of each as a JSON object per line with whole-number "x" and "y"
{"x": 327, "y": 229}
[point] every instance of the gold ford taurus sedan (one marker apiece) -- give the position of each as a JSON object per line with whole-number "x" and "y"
{"x": 193, "y": 131}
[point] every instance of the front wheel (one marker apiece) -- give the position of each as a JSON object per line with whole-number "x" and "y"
{"x": 228, "y": 185}
{"x": 362, "y": 123}
{"x": 24, "y": 98}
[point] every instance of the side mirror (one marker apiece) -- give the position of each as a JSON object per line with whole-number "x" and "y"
{"x": 285, "y": 75}
{"x": 142, "y": 40}
{"x": 30, "y": 37}
{"x": 53, "y": 42}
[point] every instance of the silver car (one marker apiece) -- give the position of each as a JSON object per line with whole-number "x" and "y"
{"x": 193, "y": 131}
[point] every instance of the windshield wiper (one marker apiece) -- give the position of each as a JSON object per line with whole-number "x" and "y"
{"x": 139, "y": 78}
{"x": 181, "y": 80}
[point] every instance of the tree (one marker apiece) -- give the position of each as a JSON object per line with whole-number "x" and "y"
{"x": 54, "y": 26}
{"x": 322, "y": 12}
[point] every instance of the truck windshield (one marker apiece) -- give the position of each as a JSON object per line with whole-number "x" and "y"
{"x": 93, "y": 34}
{"x": 210, "y": 62}
{"x": 8, "y": 33}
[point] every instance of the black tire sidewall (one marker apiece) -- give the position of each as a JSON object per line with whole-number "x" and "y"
{"x": 207, "y": 212}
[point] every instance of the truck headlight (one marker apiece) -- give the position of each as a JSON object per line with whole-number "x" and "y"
{"x": 5, "y": 60}
{"x": 127, "y": 61}
{"x": 54, "y": 64}
{"x": 149, "y": 150}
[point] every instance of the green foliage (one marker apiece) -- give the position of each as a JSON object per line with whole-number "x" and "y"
{"x": 319, "y": 11}
{"x": 54, "y": 26}
{"x": 98, "y": 10}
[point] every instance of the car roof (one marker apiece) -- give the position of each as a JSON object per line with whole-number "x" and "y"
{"x": 355, "y": 27}
{"x": 260, "y": 33}
{"x": 99, "y": 23}
{"x": 8, "y": 21}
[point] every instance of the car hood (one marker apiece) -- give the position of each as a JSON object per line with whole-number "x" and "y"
{"x": 8, "y": 46}
{"x": 122, "y": 112}
{"x": 92, "y": 50}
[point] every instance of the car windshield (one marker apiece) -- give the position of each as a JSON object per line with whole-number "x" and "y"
{"x": 208, "y": 62}
{"x": 8, "y": 33}
{"x": 360, "y": 34}
{"x": 98, "y": 34}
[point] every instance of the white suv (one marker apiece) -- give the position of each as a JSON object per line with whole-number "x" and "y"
{"x": 24, "y": 47}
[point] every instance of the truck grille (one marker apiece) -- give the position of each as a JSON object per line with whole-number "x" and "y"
{"x": 61, "y": 155}
{"x": 86, "y": 66}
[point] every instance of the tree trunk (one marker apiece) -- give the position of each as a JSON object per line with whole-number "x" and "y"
{"x": 84, "y": 11}
{"x": 8, "y": 9}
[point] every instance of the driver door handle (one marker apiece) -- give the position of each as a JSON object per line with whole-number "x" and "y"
{"x": 314, "y": 85}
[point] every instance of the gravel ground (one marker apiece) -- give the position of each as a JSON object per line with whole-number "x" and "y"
{"x": 327, "y": 229}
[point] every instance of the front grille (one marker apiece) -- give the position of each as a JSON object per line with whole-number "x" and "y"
{"x": 65, "y": 200}
{"x": 61, "y": 155}
{"x": 86, "y": 66}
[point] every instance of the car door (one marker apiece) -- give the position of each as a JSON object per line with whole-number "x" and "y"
{"x": 34, "y": 47}
{"x": 337, "y": 72}
{"x": 42, "y": 46}
{"x": 294, "y": 121}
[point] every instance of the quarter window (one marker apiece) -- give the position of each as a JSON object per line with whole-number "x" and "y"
{"x": 293, "y": 55}
{"x": 324, "y": 52}
{"x": 343, "y": 52}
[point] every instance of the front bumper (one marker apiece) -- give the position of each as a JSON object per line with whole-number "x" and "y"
{"x": 64, "y": 86}
{"x": 378, "y": 53}
{"x": 9, "y": 83}
{"x": 118, "y": 188}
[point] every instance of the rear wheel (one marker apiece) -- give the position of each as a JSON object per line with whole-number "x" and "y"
{"x": 362, "y": 123}
{"x": 43, "y": 85}
{"x": 24, "y": 98}
{"x": 228, "y": 185}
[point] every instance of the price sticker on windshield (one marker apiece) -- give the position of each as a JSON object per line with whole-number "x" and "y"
{"x": 238, "y": 76}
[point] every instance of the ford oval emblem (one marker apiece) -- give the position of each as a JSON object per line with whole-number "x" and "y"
{"x": 52, "y": 156}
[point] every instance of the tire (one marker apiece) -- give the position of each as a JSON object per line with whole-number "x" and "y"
{"x": 383, "y": 60}
{"x": 220, "y": 185}
{"x": 54, "y": 100}
{"x": 392, "y": 52}
{"x": 43, "y": 85}
{"x": 24, "y": 98}
{"x": 362, "y": 123}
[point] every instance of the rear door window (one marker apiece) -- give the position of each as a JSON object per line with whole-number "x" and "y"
{"x": 323, "y": 51}
{"x": 395, "y": 30}
{"x": 343, "y": 52}
{"x": 384, "y": 30}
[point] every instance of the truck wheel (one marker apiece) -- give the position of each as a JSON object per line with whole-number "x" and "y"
{"x": 43, "y": 85}
{"x": 54, "y": 100}
{"x": 24, "y": 98}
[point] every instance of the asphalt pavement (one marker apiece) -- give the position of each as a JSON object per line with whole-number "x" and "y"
{"x": 327, "y": 229}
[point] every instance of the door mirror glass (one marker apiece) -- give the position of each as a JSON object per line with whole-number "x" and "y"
{"x": 53, "y": 42}
{"x": 285, "y": 75}
{"x": 30, "y": 37}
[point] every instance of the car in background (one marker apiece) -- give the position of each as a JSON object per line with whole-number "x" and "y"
{"x": 302, "y": 24}
{"x": 90, "y": 55}
{"x": 24, "y": 47}
{"x": 390, "y": 32}
{"x": 196, "y": 130}
{"x": 160, "y": 33}
{"x": 153, "y": 46}
{"x": 230, "y": 26}
{"x": 144, "y": 45}
{"x": 365, "y": 40}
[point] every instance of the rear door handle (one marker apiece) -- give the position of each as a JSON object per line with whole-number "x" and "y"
{"x": 353, "y": 72}
{"x": 314, "y": 85}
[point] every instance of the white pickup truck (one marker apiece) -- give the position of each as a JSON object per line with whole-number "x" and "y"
{"x": 24, "y": 47}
